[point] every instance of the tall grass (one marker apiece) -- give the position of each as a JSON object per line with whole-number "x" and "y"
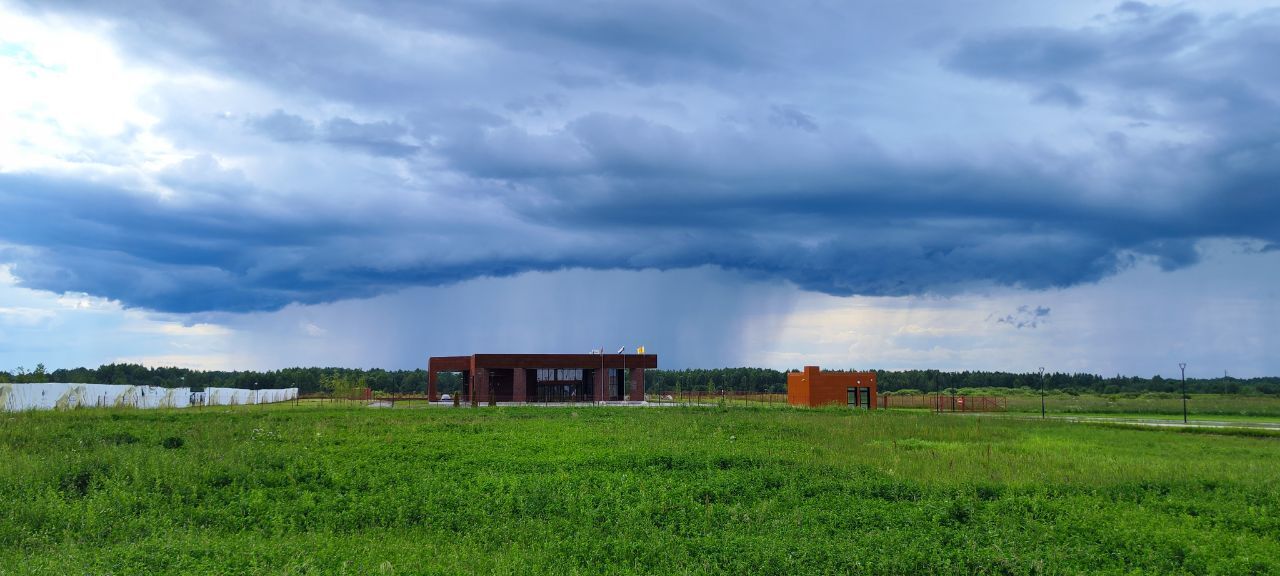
{"x": 586, "y": 490}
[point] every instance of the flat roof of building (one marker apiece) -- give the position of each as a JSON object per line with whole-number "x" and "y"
{"x": 534, "y": 361}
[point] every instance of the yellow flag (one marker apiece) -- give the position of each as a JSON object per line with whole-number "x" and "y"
{"x": 639, "y": 349}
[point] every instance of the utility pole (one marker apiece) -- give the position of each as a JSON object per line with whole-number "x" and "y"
{"x": 1042, "y": 392}
{"x": 1183, "y": 367}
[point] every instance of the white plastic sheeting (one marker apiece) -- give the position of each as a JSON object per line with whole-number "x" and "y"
{"x": 236, "y": 396}
{"x": 15, "y": 397}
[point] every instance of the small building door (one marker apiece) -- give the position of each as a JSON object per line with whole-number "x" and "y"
{"x": 859, "y": 397}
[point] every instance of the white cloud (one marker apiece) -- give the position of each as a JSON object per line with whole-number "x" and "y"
{"x": 201, "y": 330}
{"x": 192, "y": 361}
{"x": 313, "y": 330}
{"x": 24, "y": 316}
{"x": 82, "y": 301}
{"x": 69, "y": 100}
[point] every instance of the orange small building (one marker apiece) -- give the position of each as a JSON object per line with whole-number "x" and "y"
{"x": 814, "y": 387}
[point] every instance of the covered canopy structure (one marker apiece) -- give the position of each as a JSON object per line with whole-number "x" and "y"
{"x": 545, "y": 377}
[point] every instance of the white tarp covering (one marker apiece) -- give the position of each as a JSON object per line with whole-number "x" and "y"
{"x": 15, "y": 397}
{"x": 237, "y": 396}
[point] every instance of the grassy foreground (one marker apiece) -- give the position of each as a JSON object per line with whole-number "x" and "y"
{"x": 616, "y": 490}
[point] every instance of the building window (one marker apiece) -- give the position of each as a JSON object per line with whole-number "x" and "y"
{"x": 560, "y": 375}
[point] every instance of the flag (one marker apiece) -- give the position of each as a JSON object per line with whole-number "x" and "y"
{"x": 621, "y": 350}
{"x": 639, "y": 349}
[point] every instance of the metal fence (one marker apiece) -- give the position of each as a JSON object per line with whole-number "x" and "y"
{"x": 728, "y": 397}
{"x": 945, "y": 402}
{"x": 934, "y": 402}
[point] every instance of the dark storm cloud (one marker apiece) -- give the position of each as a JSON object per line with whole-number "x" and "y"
{"x": 1209, "y": 70}
{"x": 642, "y": 41}
{"x": 1031, "y": 54}
{"x": 113, "y": 243}
{"x": 211, "y": 256}
{"x": 323, "y": 49}
{"x": 380, "y": 138}
{"x": 284, "y": 127}
{"x": 791, "y": 117}
{"x": 377, "y": 138}
{"x": 688, "y": 136}
{"x": 1061, "y": 95}
{"x": 1175, "y": 69}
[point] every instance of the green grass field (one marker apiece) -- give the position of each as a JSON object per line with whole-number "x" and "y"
{"x": 312, "y": 489}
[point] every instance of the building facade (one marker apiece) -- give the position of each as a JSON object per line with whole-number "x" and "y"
{"x": 544, "y": 377}
{"x": 813, "y": 387}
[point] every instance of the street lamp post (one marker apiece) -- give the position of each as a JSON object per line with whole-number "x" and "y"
{"x": 1183, "y": 367}
{"x": 598, "y": 391}
{"x": 623, "y": 374}
{"x": 1042, "y": 392}
{"x": 937, "y": 393}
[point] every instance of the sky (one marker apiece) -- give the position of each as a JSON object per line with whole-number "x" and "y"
{"x": 1084, "y": 186}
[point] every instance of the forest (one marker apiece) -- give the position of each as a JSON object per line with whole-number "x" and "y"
{"x": 320, "y": 380}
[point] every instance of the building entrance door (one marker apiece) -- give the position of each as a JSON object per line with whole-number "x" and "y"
{"x": 859, "y": 397}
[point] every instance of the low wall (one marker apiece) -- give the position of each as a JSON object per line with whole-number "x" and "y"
{"x": 16, "y": 397}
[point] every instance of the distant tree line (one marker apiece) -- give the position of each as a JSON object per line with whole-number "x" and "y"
{"x": 704, "y": 380}
{"x": 307, "y": 380}
{"x": 316, "y": 380}
{"x": 1079, "y": 383}
{"x": 765, "y": 380}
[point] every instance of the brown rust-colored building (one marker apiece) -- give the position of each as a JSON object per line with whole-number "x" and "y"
{"x": 813, "y": 387}
{"x": 545, "y": 377}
